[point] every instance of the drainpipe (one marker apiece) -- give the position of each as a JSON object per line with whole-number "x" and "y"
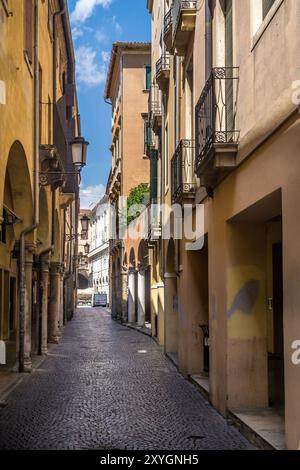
{"x": 55, "y": 15}
{"x": 208, "y": 40}
{"x": 43, "y": 253}
{"x": 53, "y": 217}
{"x": 177, "y": 100}
{"x": 162, "y": 161}
{"x": 35, "y": 223}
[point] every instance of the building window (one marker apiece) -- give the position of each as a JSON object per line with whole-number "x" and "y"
{"x": 166, "y": 157}
{"x": 28, "y": 27}
{"x": 262, "y": 13}
{"x": 147, "y": 135}
{"x": 148, "y": 77}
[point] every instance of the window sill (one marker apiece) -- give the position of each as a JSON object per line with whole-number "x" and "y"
{"x": 259, "y": 33}
{"x": 29, "y": 65}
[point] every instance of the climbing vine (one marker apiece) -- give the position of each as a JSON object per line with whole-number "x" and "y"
{"x": 137, "y": 199}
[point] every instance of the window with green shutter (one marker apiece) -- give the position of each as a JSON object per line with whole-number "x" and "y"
{"x": 148, "y": 77}
{"x": 153, "y": 176}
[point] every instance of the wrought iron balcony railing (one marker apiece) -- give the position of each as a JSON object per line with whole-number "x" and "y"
{"x": 181, "y": 7}
{"x": 216, "y": 112}
{"x": 183, "y": 180}
{"x": 168, "y": 22}
{"x": 163, "y": 64}
{"x": 154, "y": 223}
{"x": 155, "y": 101}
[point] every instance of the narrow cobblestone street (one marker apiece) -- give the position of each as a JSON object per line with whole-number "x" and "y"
{"x": 108, "y": 387}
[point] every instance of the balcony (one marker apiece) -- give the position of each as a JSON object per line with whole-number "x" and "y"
{"x": 183, "y": 23}
{"x": 167, "y": 33}
{"x": 216, "y": 136}
{"x": 163, "y": 71}
{"x": 115, "y": 181}
{"x": 183, "y": 180}
{"x": 155, "y": 108}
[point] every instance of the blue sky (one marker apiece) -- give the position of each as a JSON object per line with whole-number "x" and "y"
{"x": 96, "y": 24}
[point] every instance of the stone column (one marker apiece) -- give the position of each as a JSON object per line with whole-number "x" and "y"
{"x": 131, "y": 296}
{"x": 28, "y": 313}
{"x": 44, "y": 306}
{"x": 61, "y": 303}
{"x": 54, "y": 304}
{"x": 141, "y": 296}
{"x": 124, "y": 295}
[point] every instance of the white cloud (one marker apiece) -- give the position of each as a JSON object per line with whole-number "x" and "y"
{"x": 117, "y": 27}
{"x": 87, "y": 70}
{"x": 100, "y": 36}
{"x": 105, "y": 56}
{"x": 79, "y": 31}
{"x": 85, "y": 8}
{"x": 90, "y": 195}
{"x": 76, "y": 33}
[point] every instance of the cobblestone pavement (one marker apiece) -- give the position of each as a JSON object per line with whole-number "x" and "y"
{"x": 109, "y": 387}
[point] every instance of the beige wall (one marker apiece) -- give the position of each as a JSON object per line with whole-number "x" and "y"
{"x": 237, "y": 219}
{"x": 135, "y": 168}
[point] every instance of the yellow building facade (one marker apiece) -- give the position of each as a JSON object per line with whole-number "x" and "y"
{"x": 39, "y": 198}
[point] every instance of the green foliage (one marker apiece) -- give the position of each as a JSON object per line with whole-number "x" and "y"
{"x": 137, "y": 199}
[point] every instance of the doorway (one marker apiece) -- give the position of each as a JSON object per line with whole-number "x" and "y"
{"x": 275, "y": 318}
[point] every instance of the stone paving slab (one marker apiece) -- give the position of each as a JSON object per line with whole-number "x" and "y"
{"x": 109, "y": 387}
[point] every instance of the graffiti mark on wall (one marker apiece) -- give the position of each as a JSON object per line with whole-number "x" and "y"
{"x": 245, "y": 299}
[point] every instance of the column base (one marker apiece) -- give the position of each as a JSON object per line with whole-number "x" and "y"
{"x": 54, "y": 339}
{"x": 27, "y": 365}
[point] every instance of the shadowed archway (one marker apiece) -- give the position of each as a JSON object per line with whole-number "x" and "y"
{"x": 17, "y": 214}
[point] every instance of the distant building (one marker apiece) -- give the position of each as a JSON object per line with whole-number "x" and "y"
{"x": 99, "y": 249}
{"x": 128, "y": 87}
{"x": 84, "y": 242}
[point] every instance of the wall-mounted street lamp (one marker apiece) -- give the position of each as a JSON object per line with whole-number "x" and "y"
{"x": 84, "y": 223}
{"x": 52, "y": 167}
{"x": 79, "y": 151}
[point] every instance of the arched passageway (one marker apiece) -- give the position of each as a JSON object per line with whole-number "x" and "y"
{"x": 16, "y": 215}
{"x": 171, "y": 301}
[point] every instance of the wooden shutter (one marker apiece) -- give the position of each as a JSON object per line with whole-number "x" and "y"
{"x": 153, "y": 176}
{"x": 148, "y": 78}
{"x": 28, "y": 8}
